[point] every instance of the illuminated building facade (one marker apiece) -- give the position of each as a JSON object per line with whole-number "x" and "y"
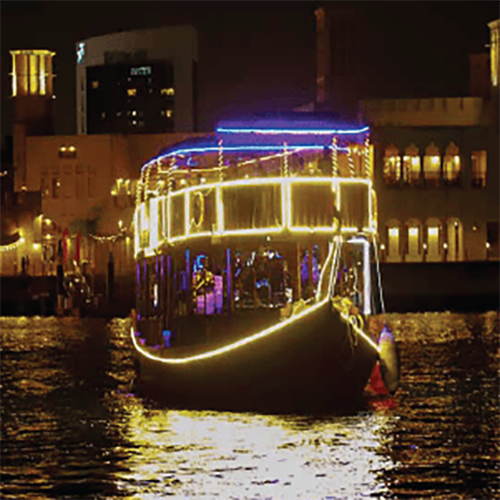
{"x": 141, "y": 81}
{"x": 87, "y": 185}
{"x": 437, "y": 174}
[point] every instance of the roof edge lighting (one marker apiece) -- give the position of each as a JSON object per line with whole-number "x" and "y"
{"x": 224, "y": 130}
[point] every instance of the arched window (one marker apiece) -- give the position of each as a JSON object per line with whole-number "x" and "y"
{"x": 451, "y": 165}
{"x": 411, "y": 166}
{"x": 479, "y": 167}
{"x": 392, "y": 166}
{"x": 434, "y": 237}
{"x": 393, "y": 238}
{"x": 432, "y": 165}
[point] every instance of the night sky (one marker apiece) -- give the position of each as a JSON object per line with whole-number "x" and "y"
{"x": 258, "y": 56}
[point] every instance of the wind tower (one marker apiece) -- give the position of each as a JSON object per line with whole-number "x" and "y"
{"x": 32, "y": 94}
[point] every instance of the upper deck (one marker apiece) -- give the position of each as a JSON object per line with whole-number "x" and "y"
{"x": 255, "y": 178}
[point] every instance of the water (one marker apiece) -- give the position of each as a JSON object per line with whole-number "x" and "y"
{"x": 72, "y": 429}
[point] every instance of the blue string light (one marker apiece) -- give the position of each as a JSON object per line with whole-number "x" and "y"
{"x": 240, "y": 149}
{"x": 222, "y": 130}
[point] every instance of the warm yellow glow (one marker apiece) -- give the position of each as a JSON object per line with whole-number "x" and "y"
{"x": 167, "y": 91}
{"x": 286, "y": 206}
{"x": 252, "y": 338}
{"x": 435, "y": 160}
{"x": 494, "y": 51}
{"x": 413, "y": 231}
{"x": 36, "y": 246}
{"x": 71, "y": 149}
{"x": 14, "y": 77}
{"x": 48, "y": 221}
{"x": 33, "y": 74}
{"x": 153, "y": 222}
{"x": 131, "y": 92}
{"x": 488, "y": 246}
{"x": 394, "y": 231}
{"x": 120, "y": 224}
{"x": 137, "y": 229}
{"x": 169, "y": 113}
{"x": 230, "y": 347}
{"x": 433, "y": 231}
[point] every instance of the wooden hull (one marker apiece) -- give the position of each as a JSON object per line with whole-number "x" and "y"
{"x": 314, "y": 363}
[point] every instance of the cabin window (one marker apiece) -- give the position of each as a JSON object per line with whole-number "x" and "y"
{"x": 260, "y": 279}
{"x": 177, "y": 216}
{"x": 479, "y": 167}
{"x": 312, "y": 205}
{"x": 252, "y": 207}
{"x": 207, "y": 286}
{"x": 202, "y": 211}
{"x": 354, "y": 205}
{"x": 144, "y": 225}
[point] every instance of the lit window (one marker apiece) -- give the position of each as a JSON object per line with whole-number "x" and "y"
{"x": 411, "y": 166}
{"x": 134, "y": 113}
{"x": 432, "y": 165}
{"x": 392, "y": 166}
{"x": 169, "y": 113}
{"x": 433, "y": 247}
{"x": 131, "y": 92}
{"x": 103, "y": 115}
{"x": 479, "y": 167}
{"x": 393, "y": 246}
{"x": 168, "y": 91}
{"x": 95, "y": 84}
{"x": 67, "y": 152}
{"x": 413, "y": 241}
{"x": 451, "y": 165}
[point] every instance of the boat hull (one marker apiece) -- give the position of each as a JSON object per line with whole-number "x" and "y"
{"x": 317, "y": 362}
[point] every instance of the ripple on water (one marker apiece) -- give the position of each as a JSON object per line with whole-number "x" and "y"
{"x": 71, "y": 428}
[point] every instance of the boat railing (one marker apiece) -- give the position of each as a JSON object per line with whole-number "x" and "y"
{"x": 256, "y": 206}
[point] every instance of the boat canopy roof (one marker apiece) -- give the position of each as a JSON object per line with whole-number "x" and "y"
{"x": 270, "y": 132}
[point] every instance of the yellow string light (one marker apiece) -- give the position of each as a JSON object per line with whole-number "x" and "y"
{"x": 335, "y": 158}
{"x": 12, "y": 246}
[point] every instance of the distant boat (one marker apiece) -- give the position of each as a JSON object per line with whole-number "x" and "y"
{"x": 255, "y": 285}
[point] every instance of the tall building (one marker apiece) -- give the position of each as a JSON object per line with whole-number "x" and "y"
{"x": 142, "y": 81}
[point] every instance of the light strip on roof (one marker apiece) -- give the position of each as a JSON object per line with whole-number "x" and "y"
{"x": 223, "y": 130}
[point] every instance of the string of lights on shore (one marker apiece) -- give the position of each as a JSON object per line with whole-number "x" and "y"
{"x": 112, "y": 238}
{"x": 12, "y": 246}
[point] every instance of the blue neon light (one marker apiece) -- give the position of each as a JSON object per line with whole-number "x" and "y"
{"x": 241, "y": 149}
{"x": 223, "y": 130}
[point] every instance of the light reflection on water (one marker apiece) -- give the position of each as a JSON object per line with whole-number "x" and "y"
{"x": 71, "y": 428}
{"x": 248, "y": 456}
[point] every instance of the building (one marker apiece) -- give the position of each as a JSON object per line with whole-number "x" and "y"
{"x": 142, "y": 81}
{"x": 87, "y": 185}
{"x": 437, "y": 170}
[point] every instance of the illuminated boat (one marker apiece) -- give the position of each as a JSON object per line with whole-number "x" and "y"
{"x": 254, "y": 248}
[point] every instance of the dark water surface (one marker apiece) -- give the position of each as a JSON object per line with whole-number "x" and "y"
{"x": 71, "y": 428}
